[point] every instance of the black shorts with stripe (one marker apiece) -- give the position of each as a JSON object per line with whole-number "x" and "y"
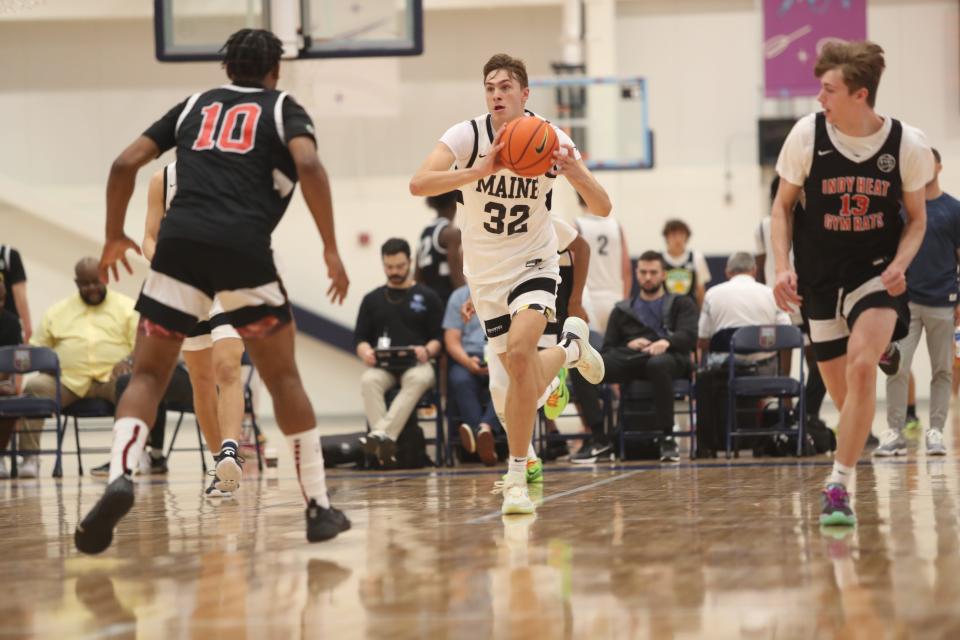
{"x": 185, "y": 275}
{"x": 831, "y": 311}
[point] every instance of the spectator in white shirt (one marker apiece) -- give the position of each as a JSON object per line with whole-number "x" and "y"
{"x": 741, "y": 301}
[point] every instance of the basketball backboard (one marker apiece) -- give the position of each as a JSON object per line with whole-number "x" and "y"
{"x": 607, "y": 117}
{"x": 194, "y": 30}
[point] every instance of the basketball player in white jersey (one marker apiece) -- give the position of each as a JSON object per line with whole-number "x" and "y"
{"x": 610, "y": 276}
{"x": 510, "y": 254}
{"x": 212, "y": 353}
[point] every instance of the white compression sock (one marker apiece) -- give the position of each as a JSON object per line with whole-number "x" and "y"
{"x": 308, "y": 461}
{"x": 517, "y": 470}
{"x": 542, "y": 400}
{"x": 572, "y": 349}
{"x": 129, "y": 439}
{"x": 531, "y": 452}
{"x": 840, "y": 474}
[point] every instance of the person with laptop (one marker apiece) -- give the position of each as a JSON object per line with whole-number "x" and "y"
{"x": 398, "y": 332}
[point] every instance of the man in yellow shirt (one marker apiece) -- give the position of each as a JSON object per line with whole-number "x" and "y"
{"x": 92, "y": 333}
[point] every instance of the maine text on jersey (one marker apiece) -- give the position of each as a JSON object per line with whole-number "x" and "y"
{"x": 497, "y": 186}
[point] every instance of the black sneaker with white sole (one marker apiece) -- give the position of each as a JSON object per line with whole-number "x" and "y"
{"x": 592, "y": 454}
{"x": 380, "y": 448}
{"x": 213, "y": 492}
{"x": 669, "y": 451}
{"x": 323, "y": 524}
{"x": 228, "y": 470}
{"x": 95, "y": 533}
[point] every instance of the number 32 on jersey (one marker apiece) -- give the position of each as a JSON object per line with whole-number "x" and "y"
{"x": 518, "y": 218}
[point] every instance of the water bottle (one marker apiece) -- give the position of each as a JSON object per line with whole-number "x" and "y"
{"x": 383, "y": 342}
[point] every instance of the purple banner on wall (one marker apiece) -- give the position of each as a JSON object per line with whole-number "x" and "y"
{"x": 794, "y": 31}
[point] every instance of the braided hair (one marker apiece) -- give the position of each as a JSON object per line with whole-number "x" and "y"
{"x": 250, "y": 54}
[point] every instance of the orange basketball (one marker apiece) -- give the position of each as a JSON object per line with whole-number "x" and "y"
{"x": 528, "y": 146}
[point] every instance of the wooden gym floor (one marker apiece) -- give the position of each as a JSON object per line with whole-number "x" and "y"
{"x": 707, "y": 550}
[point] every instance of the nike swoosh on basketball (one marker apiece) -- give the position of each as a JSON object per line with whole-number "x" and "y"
{"x": 543, "y": 143}
{"x": 823, "y": 153}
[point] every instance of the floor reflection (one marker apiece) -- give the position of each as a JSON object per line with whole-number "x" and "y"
{"x": 641, "y": 551}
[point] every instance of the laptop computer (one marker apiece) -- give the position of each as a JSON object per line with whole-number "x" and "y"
{"x": 396, "y": 358}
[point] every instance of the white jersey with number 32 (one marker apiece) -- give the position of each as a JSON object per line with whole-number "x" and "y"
{"x": 506, "y": 218}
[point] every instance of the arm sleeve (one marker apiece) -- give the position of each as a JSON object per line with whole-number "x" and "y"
{"x": 17, "y": 274}
{"x": 435, "y": 319}
{"x": 451, "y": 317}
{"x": 459, "y": 139}
{"x": 364, "y": 325}
{"x": 796, "y": 155}
{"x": 566, "y": 234}
{"x": 916, "y": 159}
{"x": 705, "y": 327}
{"x": 42, "y": 337}
{"x": 10, "y": 334}
{"x": 684, "y": 336}
{"x": 164, "y": 131}
{"x": 703, "y": 269}
{"x": 564, "y": 139}
{"x": 296, "y": 121}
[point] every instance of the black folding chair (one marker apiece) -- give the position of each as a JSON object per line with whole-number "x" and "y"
{"x": 636, "y": 399}
{"x": 25, "y": 359}
{"x": 86, "y": 408}
{"x": 756, "y": 339}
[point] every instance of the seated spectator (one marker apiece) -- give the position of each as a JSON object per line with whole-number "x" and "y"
{"x": 469, "y": 379}
{"x": 398, "y": 314}
{"x": 687, "y": 270}
{"x": 91, "y": 333}
{"x": 10, "y": 336}
{"x": 741, "y": 301}
{"x": 651, "y": 337}
{"x": 14, "y": 277}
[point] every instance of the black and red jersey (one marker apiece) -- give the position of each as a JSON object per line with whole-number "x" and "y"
{"x": 235, "y": 175}
{"x": 851, "y": 224}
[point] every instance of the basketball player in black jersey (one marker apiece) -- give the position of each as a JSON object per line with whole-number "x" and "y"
{"x": 240, "y": 150}
{"x": 856, "y": 169}
{"x": 439, "y": 261}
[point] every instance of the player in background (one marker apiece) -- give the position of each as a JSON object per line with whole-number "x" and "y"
{"x": 855, "y": 168}
{"x": 240, "y": 148}
{"x": 610, "y": 276}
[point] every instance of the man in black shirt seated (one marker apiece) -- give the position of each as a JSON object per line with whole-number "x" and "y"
{"x": 10, "y": 335}
{"x": 651, "y": 337}
{"x": 398, "y": 314}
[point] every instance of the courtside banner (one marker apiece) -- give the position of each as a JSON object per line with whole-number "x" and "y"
{"x": 794, "y": 31}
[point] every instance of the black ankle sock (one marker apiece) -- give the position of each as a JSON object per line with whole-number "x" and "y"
{"x": 911, "y": 411}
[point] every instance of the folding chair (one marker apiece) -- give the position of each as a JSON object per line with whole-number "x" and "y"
{"x": 25, "y": 359}
{"x": 183, "y": 410}
{"x": 86, "y": 408}
{"x": 746, "y": 340}
{"x": 640, "y": 392}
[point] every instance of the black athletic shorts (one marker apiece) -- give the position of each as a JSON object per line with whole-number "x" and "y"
{"x": 185, "y": 276}
{"x": 831, "y": 311}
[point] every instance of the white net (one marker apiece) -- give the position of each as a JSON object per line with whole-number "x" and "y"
{"x": 16, "y": 6}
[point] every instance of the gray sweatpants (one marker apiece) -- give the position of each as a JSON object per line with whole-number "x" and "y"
{"x": 938, "y": 323}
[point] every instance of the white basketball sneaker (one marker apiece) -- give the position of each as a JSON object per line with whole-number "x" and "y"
{"x": 590, "y": 363}
{"x": 515, "y": 497}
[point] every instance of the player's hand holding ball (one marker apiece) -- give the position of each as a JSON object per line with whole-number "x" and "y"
{"x": 894, "y": 280}
{"x": 785, "y": 291}
{"x": 491, "y": 162}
